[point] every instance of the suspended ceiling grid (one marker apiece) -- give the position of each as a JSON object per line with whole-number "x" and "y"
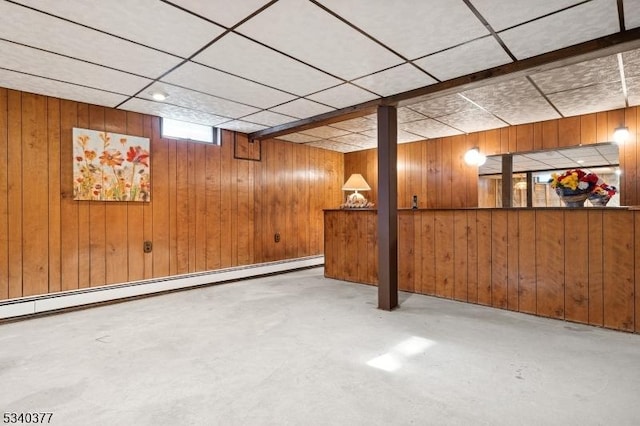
{"x": 254, "y": 64}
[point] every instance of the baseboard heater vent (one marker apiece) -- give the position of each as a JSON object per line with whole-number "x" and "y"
{"x": 69, "y": 299}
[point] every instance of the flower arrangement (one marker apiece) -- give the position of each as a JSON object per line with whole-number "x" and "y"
{"x": 602, "y": 193}
{"x": 575, "y": 186}
{"x": 574, "y": 180}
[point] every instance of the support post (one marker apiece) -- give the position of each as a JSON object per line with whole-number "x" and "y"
{"x": 507, "y": 180}
{"x": 387, "y": 208}
{"x": 529, "y": 189}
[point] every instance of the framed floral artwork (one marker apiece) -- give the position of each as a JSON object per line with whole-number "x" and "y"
{"x": 110, "y": 166}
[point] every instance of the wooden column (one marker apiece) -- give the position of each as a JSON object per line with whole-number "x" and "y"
{"x": 530, "y": 189}
{"x": 387, "y": 208}
{"x": 507, "y": 180}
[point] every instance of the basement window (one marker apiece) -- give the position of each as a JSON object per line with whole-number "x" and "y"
{"x": 176, "y": 129}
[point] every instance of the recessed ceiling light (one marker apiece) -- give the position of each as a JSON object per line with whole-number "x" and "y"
{"x": 580, "y": 161}
{"x": 158, "y": 96}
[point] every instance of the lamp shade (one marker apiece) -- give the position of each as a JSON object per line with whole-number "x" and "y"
{"x": 356, "y": 183}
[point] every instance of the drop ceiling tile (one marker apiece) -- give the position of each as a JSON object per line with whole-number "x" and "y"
{"x": 601, "y": 70}
{"x": 401, "y": 25}
{"x": 46, "y": 32}
{"x": 546, "y": 156}
{"x": 503, "y": 14}
{"x": 515, "y": 101}
{"x": 198, "y": 101}
{"x": 335, "y": 146}
{"x": 633, "y": 91}
{"x": 302, "y": 108}
{"x": 298, "y": 138}
{"x": 445, "y": 105}
{"x": 477, "y": 55}
{"x": 406, "y": 137}
{"x": 600, "y": 97}
{"x": 606, "y": 149}
{"x": 406, "y": 115}
{"x": 359, "y": 124}
{"x": 631, "y": 63}
{"x": 587, "y": 21}
{"x": 268, "y": 118}
{"x": 225, "y": 12}
{"x": 631, "y": 14}
{"x": 240, "y": 56}
{"x": 342, "y": 96}
{"x": 395, "y": 80}
{"x": 171, "y": 111}
{"x": 429, "y": 128}
{"x": 324, "y": 132}
{"x": 586, "y": 151}
{"x": 207, "y": 80}
{"x": 44, "y": 64}
{"x": 148, "y": 22}
{"x": 321, "y": 39}
{"x": 402, "y": 136}
{"x": 43, "y": 86}
{"x": 241, "y": 126}
{"x": 357, "y": 139}
{"x": 473, "y": 120}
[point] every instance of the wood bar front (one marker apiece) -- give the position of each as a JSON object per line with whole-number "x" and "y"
{"x": 577, "y": 265}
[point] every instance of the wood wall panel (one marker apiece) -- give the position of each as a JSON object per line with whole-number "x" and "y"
{"x": 579, "y": 265}
{"x": 513, "y": 245}
{"x": 527, "y": 279}
{"x": 35, "y": 220}
{"x": 569, "y": 132}
{"x": 499, "y": 256}
{"x": 53, "y": 183}
{"x": 14, "y": 193}
{"x": 444, "y": 249}
{"x": 595, "y": 267}
{"x": 428, "y": 250}
{"x": 472, "y": 256}
{"x": 69, "y": 214}
{"x": 208, "y": 210}
{"x": 4, "y": 196}
{"x": 576, "y": 267}
{"x": 406, "y": 269}
{"x": 460, "y": 255}
{"x": 550, "y": 263}
{"x": 483, "y": 219}
{"x": 618, "y": 270}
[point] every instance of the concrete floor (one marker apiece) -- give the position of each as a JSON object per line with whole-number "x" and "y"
{"x": 299, "y": 349}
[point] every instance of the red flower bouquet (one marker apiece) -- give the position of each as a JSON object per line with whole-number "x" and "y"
{"x": 574, "y": 186}
{"x": 601, "y": 194}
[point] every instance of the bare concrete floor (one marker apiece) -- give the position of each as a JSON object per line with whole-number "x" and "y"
{"x": 299, "y": 349}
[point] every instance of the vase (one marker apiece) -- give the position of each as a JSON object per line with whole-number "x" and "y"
{"x": 572, "y": 198}
{"x": 598, "y": 200}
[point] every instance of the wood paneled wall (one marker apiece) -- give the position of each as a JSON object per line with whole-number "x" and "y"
{"x": 208, "y": 210}
{"x": 435, "y": 171}
{"x": 580, "y": 265}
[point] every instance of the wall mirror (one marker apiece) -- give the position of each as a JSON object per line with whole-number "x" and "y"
{"x": 537, "y": 166}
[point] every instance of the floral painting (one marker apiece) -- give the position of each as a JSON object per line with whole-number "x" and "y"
{"x": 110, "y": 166}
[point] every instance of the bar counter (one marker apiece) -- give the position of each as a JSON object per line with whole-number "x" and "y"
{"x": 574, "y": 264}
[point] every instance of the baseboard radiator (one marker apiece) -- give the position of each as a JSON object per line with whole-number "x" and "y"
{"x": 87, "y": 296}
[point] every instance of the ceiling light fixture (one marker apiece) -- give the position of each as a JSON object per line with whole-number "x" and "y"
{"x": 473, "y": 157}
{"x": 158, "y": 96}
{"x": 621, "y": 134}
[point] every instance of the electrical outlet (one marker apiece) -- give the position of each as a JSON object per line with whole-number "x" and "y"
{"x": 276, "y": 237}
{"x": 147, "y": 247}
